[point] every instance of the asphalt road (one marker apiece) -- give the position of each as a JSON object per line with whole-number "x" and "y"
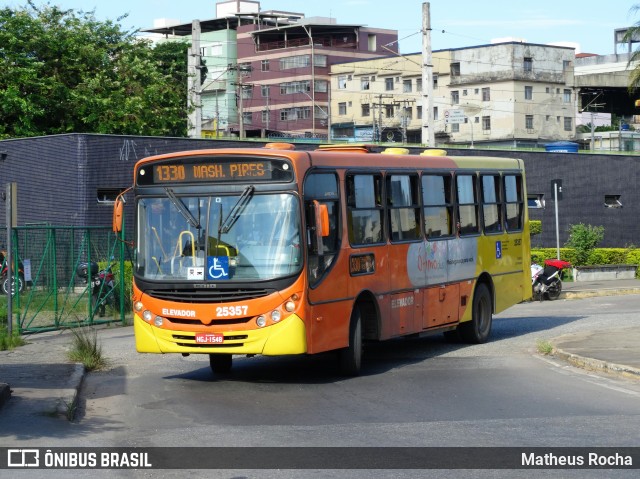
{"x": 418, "y": 392}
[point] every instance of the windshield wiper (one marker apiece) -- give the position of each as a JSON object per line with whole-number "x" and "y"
{"x": 182, "y": 208}
{"x": 236, "y": 210}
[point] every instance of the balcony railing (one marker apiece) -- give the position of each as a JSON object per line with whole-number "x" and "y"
{"x": 326, "y": 42}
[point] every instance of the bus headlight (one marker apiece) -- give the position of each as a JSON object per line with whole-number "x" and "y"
{"x": 261, "y": 321}
{"x": 158, "y": 321}
{"x": 147, "y": 316}
{"x": 138, "y": 306}
{"x": 290, "y": 306}
{"x": 275, "y": 316}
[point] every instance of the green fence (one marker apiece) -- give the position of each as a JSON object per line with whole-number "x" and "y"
{"x": 50, "y": 290}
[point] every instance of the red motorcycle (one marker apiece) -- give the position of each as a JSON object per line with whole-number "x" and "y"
{"x": 16, "y": 281}
{"x": 547, "y": 281}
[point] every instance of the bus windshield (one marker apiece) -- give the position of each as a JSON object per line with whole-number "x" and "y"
{"x": 242, "y": 237}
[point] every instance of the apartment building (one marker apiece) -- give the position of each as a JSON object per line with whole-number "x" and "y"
{"x": 286, "y": 88}
{"x": 512, "y": 94}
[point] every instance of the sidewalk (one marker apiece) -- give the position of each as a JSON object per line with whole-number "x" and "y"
{"x": 39, "y": 377}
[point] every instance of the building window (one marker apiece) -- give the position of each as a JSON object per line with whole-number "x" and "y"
{"x": 435, "y": 81}
{"x": 464, "y": 92}
{"x": 566, "y": 65}
{"x": 455, "y": 127}
{"x": 342, "y": 108}
{"x": 107, "y": 196}
{"x": 247, "y": 91}
{"x": 486, "y": 94}
{"x": 455, "y": 69}
{"x": 612, "y": 201}
{"x": 264, "y": 90}
{"x": 406, "y": 86}
{"x": 408, "y": 115}
{"x": 364, "y": 83}
{"x": 321, "y": 86}
{"x": 535, "y": 201}
{"x": 342, "y": 82}
{"x": 366, "y": 109}
{"x": 247, "y": 117}
{"x": 528, "y": 120}
{"x": 528, "y": 64}
{"x": 528, "y": 93}
{"x": 372, "y": 42}
{"x": 418, "y": 84}
{"x": 388, "y": 111}
{"x": 568, "y": 123}
{"x": 388, "y": 84}
{"x": 486, "y": 123}
{"x": 290, "y": 88}
{"x": 265, "y": 65}
{"x": 265, "y": 116}
{"x": 567, "y": 96}
{"x": 455, "y": 97}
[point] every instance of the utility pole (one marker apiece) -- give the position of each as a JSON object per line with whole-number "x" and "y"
{"x": 428, "y": 133}
{"x": 194, "y": 83}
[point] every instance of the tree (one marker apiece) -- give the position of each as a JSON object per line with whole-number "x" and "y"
{"x": 63, "y": 71}
{"x": 634, "y": 32}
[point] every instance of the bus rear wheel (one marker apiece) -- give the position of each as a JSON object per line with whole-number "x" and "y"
{"x": 350, "y": 358}
{"x": 477, "y": 330}
{"x": 220, "y": 363}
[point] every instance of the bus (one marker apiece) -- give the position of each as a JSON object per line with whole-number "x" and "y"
{"x": 279, "y": 251}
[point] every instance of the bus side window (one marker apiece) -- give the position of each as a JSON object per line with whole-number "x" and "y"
{"x": 365, "y": 209}
{"x": 438, "y": 205}
{"x": 321, "y": 187}
{"x": 467, "y": 204}
{"x": 514, "y": 201}
{"x": 491, "y": 210}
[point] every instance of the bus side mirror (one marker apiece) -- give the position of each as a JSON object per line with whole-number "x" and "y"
{"x": 118, "y": 208}
{"x": 322, "y": 219}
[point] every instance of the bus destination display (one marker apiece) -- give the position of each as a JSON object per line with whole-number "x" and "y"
{"x": 244, "y": 170}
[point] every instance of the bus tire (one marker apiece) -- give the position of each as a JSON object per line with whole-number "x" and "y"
{"x": 350, "y": 358}
{"x": 477, "y": 330}
{"x": 220, "y": 363}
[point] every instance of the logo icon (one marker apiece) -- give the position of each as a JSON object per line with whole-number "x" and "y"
{"x": 218, "y": 267}
{"x": 23, "y": 458}
{"x": 498, "y": 249}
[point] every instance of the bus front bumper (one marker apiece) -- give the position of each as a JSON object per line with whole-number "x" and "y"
{"x": 285, "y": 337}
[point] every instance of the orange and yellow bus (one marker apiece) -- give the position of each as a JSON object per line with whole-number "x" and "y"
{"x": 279, "y": 251}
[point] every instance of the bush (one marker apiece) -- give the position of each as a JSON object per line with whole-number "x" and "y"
{"x": 600, "y": 256}
{"x": 583, "y": 239}
{"x": 535, "y": 227}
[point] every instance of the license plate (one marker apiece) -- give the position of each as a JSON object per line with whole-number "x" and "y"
{"x": 209, "y": 338}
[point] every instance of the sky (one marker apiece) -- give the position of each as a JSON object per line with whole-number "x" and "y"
{"x": 587, "y": 24}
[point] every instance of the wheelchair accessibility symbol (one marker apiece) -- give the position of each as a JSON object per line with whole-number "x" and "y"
{"x": 498, "y": 249}
{"x": 218, "y": 267}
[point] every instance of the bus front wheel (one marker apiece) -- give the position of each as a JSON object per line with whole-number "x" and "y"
{"x": 477, "y": 330}
{"x": 220, "y": 363}
{"x": 350, "y": 358}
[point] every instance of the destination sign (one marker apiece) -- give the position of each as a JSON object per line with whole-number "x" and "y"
{"x": 199, "y": 170}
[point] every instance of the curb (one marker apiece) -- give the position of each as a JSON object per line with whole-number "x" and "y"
{"x": 591, "y": 293}
{"x": 592, "y": 364}
{"x": 68, "y": 409}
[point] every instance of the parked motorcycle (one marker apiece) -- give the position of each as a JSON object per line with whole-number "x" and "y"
{"x": 103, "y": 286}
{"x": 4, "y": 280}
{"x": 547, "y": 281}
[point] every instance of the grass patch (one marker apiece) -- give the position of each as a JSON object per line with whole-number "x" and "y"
{"x": 10, "y": 341}
{"x": 544, "y": 347}
{"x": 86, "y": 349}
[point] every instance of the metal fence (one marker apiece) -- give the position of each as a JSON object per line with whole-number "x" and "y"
{"x": 50, "y": 290}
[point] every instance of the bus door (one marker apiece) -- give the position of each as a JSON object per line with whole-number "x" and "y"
{"x": 328, "y": 321}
